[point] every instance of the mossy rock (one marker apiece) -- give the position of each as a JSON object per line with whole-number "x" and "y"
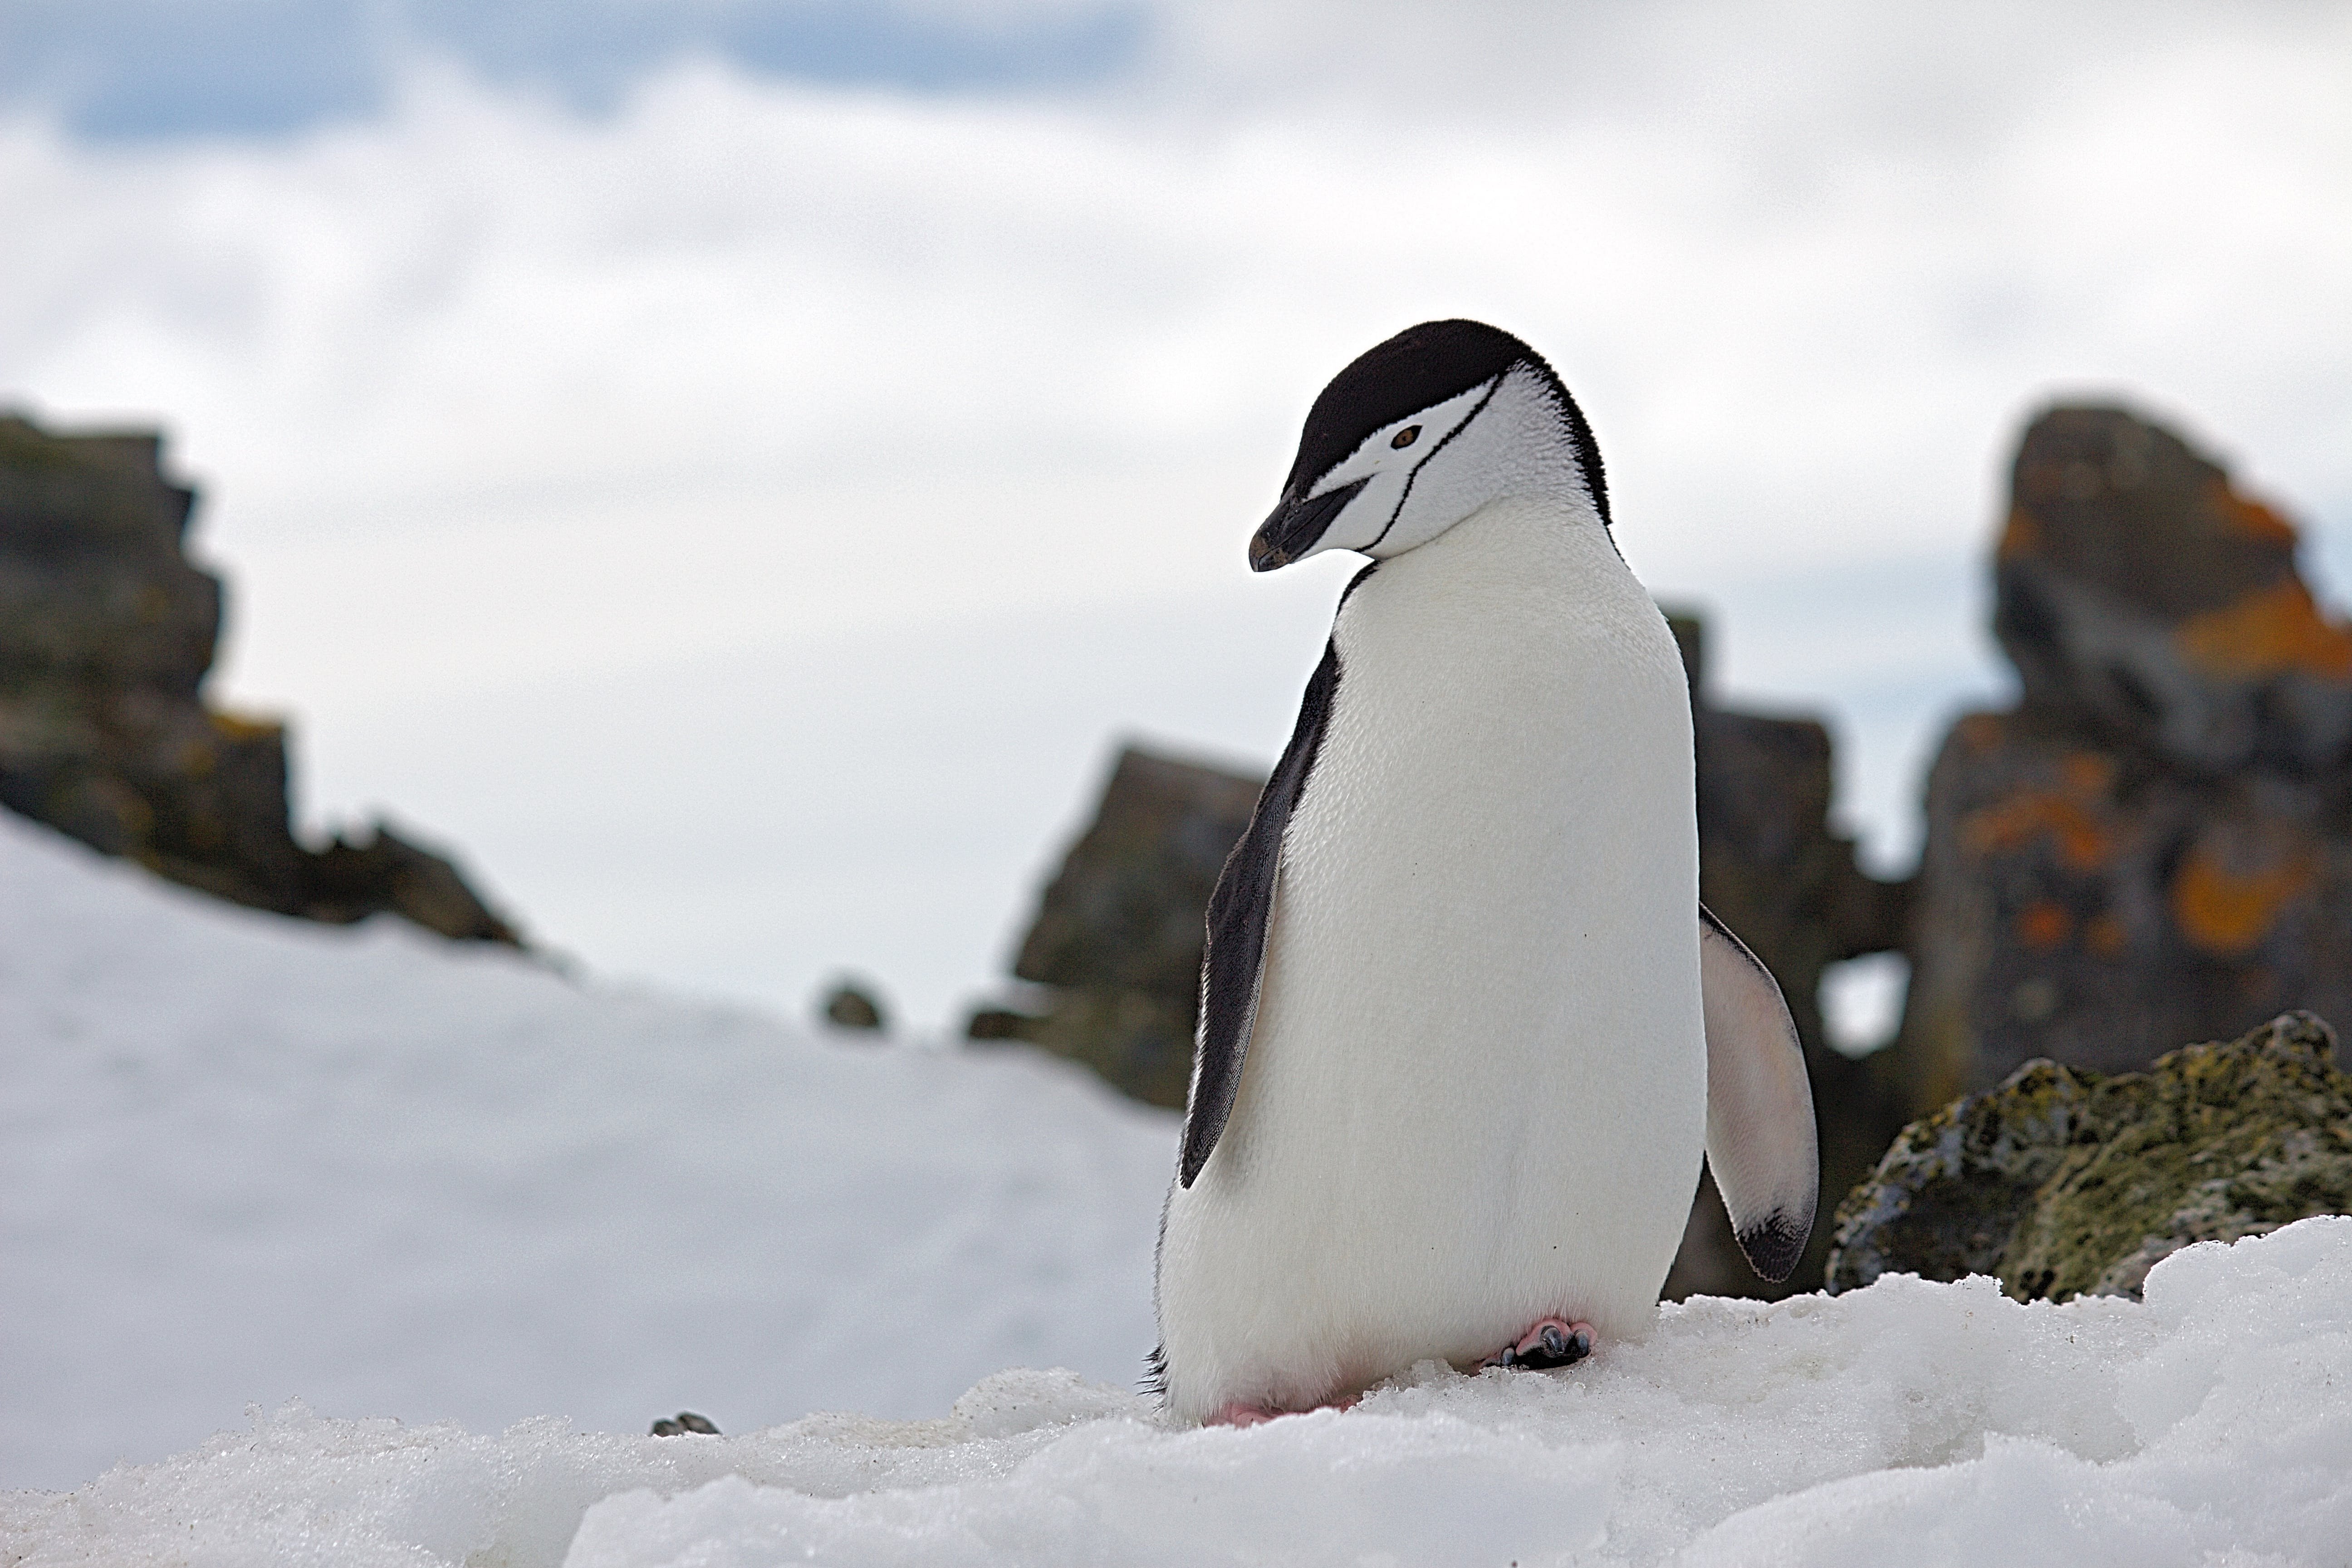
{"x": 2062, "y": 1182}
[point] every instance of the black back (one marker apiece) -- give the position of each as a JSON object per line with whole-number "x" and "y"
{"x": 1419, "y": 366}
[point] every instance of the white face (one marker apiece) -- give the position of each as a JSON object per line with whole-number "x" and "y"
{"x": 1424, "y": 473}
{"x": 1391, "y": 462}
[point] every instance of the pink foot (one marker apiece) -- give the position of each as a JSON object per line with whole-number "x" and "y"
{"x": 1555, "y": 1341}
{"x": 1240, "y": 1415}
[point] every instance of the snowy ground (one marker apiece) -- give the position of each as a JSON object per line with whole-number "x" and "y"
{"x": 242, "y": 1158}
{"x": 1908, "y": 1423}
{"x": 245, "y": 1159}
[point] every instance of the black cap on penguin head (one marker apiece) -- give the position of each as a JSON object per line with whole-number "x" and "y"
{"x": 1419, "y": 367}
{"x": 1382, "y": 419}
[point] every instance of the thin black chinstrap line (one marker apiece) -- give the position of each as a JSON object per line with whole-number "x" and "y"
{"x": 1407, "y": 494}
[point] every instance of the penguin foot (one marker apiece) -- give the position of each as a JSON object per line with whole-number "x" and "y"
{"x": 1555, "y": 1341}
{"x": 1240, "y": 1415}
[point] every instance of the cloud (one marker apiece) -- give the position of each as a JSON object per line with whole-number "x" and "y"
{"x": 507, "y": 412}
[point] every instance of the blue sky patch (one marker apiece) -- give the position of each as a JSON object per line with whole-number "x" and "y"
{"x": 151, "y": 70}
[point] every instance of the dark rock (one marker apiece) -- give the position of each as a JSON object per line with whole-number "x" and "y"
{"x": 851, "y": 1007}
{"x": 2156, "y": 844}
{"x": 684, "y": 1423}
{"x": 106, "y": 633}
{"x": 1771, "y": 868}
{"x": 2147, "y": 603}
{"x": 1119, "y": 930}
{"x": 989, "y": 1024}
{"x": 1125, "y": 911}
{"x": 2065, "y": 1182}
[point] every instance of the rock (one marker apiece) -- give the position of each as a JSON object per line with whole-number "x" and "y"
{"x": 2065, "y": 1182}
{"x": 1771, "y": 868}
{"x": 2154, "y": 844}
{"x": 1119, "y": 930}
{"x": 106, "y": 633}
{"x": 850, "y": 1006}
{"x": 684, "y": 1423}
{"x": 2147, "y": 603}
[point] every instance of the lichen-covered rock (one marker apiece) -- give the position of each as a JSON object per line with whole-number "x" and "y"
{"x": 2145, "y": 600}
{"x": 2063, "y": 1182}
{"x": 107, "y": 632}
{"x": 2153, "y": 845}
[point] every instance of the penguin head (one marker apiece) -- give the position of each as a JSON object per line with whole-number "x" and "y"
{"x": 1419, "y": 433}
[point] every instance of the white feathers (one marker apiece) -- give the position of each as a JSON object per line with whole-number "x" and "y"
{"x": 1760, "y": 1143}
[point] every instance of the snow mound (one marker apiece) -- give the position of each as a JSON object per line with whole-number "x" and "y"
{"x": 1912, "y": 1422}
{"x": 244, "y": 1159}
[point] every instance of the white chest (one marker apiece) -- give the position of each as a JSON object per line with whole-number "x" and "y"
{"x": 1475, "y": 1094}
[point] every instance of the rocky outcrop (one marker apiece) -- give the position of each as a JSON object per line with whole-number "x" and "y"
{"x": 1120, "y": 929}
{"x": 107, "y": 632}
{"x": 1772, "y": 867}
{"x": 2063, "y": 1182}
{"x": 2156, "y": 843}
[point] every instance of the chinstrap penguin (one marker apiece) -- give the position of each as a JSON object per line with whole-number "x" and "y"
{"x": 1465, "y": 1025}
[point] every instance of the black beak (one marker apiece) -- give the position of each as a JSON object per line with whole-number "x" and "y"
{"x": 1295, "y": 526}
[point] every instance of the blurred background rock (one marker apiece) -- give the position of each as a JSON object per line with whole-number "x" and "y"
{"x": 1120, "y": 929}
{"x": 2154, "y": 844}
{"x": 854, "y": 1005}
{"x": 107, "y": 633}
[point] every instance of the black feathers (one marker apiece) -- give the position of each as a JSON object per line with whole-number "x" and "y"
{"x": 1240, "y": 911}
{"x": 1773, "y": 1246}
{"x": 1419, "y": 367}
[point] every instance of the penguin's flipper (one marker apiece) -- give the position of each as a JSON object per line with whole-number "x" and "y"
{"x": 1241, "y": 911}
{"x": 1759, "y": 1104}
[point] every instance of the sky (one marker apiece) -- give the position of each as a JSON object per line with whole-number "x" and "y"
{"x": 737, "y": 471}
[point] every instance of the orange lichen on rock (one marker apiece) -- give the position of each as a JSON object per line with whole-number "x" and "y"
{"x": 243, "y": 726}
{"x": 2250, "y": 517}
{"x": 2228, "y": 912}
{"x": 2104, "y": 934}
{"x": 1979, "y": 731}
{"x": 2044, "y": 924}
{"x": 2088, "y": 773}
{"x": 2269, "y": 631}
{"x": 2019, "y": 536}
{"x": 2084, "y": 842}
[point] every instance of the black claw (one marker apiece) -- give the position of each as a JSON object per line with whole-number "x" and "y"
{"x": 1552, "y": 1348}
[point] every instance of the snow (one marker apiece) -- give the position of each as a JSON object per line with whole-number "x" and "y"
{"x": 1921, "y": 1423}
{"x": 245, "y": 1159}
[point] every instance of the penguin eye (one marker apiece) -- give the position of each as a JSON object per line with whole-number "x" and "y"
{"x": 1406, "y": 437}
